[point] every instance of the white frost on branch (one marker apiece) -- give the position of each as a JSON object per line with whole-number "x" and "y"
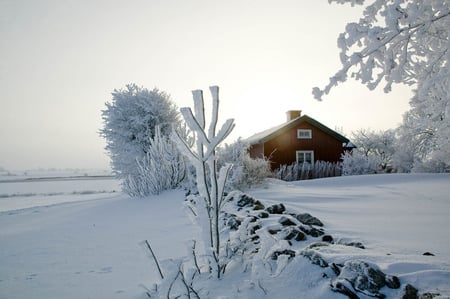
{"x": 401, "y": 41}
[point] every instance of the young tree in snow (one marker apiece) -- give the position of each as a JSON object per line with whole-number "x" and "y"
{"x": 404, "y": 41}
{"x": 210, "y": 182}
{"x": 130, "y": 122}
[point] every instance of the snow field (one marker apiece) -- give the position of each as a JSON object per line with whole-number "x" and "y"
{"x": 93, "y": 247}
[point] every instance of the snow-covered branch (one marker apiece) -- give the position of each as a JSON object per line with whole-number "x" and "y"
{"x": 415, "y": 35}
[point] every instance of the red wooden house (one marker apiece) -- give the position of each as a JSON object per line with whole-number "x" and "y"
{"x": 301, "y": 139}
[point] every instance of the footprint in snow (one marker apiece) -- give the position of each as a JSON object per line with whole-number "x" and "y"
{"x": 105, "y": 270}
{"x": 31, "y": 276}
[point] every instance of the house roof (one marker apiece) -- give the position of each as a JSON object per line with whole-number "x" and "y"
{"x": 269, "y": 134}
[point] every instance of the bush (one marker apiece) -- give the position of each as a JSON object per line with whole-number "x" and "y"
{"x": 162, "y": 168}
{"x": 357, "y": 163}
{"x": 246, "y": 172}
{"x": 130, "y": 122}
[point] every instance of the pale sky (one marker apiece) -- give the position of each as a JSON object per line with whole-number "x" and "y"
{"x": 61, "y": 59}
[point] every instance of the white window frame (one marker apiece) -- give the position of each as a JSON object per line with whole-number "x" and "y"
{"x": 304, "y": 133}
{"x": 304, "y": 153}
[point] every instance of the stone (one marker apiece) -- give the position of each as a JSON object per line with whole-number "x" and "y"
{"x": 273, "y": 231}
{"x": 294, "y": 233}
{"x": 258, "y": 205}
{"x": 410, "y": 292}
{"x": 253, "y": 229}
{"x": 392, "y": 282}
{"x": 233, "y": 222}
{"x": 245, "y": 201}
{"x": 315, "y": 257}
{"x": 255, "y": 239}
{"x": 308, "y": 219}
{"x": 263, "y": 215}
{"x": 311, "y": 231}
{"x": 300, "y": 236}
{"x": 341, "y": 287}
{"x": 276, "y": 209}
{"x": 327, "y": 238}
{"x": 289, "y": 252}
{"x": 285, "y": 221}
{"x": 252, "y": 219}
{"x": 363, "y": 277}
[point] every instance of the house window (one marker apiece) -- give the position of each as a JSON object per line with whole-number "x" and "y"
{"x": 304, "y": 134}
{"x": 305, "y": 157}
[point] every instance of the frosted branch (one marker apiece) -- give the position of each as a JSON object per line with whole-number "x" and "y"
{"x": 413, "y": 36}
{"x": 215, "y": 110}
{"x": 199, "y": 107}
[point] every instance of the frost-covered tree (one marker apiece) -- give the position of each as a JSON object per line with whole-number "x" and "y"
{"x": 424, "y": 136}
{"x": 378, "y": 147}
{"x": 404, "y": 41}
{"x": 130, "y": 121}
{"x": 357, "y": 163}
{"x": 210, "y": 181}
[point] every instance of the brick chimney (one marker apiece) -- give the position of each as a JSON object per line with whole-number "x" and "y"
{"x": 292, "y": 114}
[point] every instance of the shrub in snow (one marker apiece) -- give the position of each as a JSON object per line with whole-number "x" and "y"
{"x": 306, "y": 171}
{"x": 130, "y": 122}
{"x": 210, "y": 181}
{"x": 356, "y": 163}
{"x": 162, "y": 168}
{"x": 373, "y": 154}
{"x": 246, "y": 172}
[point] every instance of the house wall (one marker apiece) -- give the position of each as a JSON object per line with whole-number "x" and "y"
{"x": 282, "y": 148}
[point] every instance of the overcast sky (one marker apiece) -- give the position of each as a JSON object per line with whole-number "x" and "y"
{"x": 61, "y": 59}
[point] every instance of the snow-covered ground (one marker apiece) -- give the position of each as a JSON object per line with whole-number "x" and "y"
{"x": 84, "y": 244}
{"x": 73, "y": 244}
{"x": 398, "y": 218}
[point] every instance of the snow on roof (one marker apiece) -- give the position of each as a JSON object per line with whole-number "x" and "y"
{"x": 263, "y": 136}
{"x": 258, "y": 137}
